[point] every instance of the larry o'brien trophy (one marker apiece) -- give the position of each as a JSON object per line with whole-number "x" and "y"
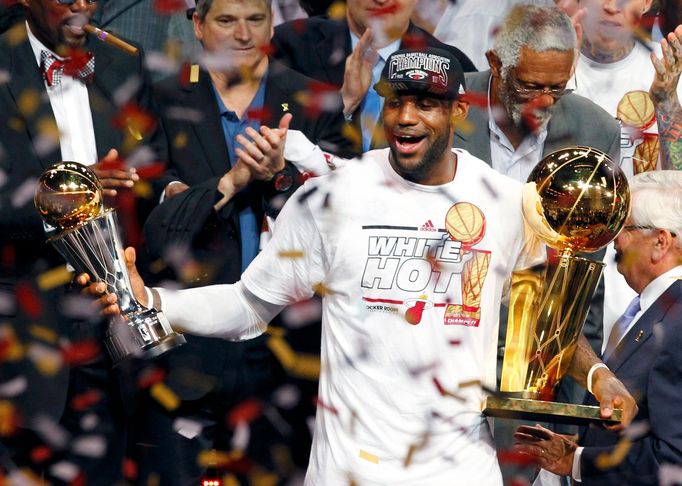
{"x": 69, "y": 199}
{"x": 576, "y": 200}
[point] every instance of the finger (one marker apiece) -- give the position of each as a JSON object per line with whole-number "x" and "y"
{"x": 83, "y": 279}
{"x": 668, "y": 56}
{"x": 284, "y": 123}
{"x": 260, "y": 141}
{"x": 658, "y": 65}
{"x": 365, "y": 42}
{"x": 111, "y": 155}
{"x": 254, "y": 166}
{"x": 606, "y": 407}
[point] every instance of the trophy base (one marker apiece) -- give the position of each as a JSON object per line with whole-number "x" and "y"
{"x": 541, "y": 411}
{"x": 145, "y": 336}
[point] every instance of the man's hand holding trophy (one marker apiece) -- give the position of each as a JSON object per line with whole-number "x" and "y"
{"x": 69, "y": 198}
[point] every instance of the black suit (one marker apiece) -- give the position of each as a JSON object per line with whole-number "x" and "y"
{"x": 228, "y": 372}
{"x": 318, "y": 47}
{"x": 30, "y": 144}
{"x": 649, "y": 362}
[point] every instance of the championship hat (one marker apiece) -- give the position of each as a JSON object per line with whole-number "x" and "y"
{"x": 428, "y": 70}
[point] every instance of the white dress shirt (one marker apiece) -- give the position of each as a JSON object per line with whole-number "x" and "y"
{"x": 71, "y": 108}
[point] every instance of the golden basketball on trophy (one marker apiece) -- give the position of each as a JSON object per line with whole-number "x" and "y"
{"x": 635, "y": 109}
{"x": 576, "y": 200}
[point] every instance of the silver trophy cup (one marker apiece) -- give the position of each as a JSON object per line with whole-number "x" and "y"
{"x": 69, "y": 197}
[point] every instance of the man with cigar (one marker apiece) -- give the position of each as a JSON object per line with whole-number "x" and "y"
{"x": 391, "y": 242}
{"x": 65, "y": 96}
{"x": 643, "y": 350}
{"x": 349, "y": 53}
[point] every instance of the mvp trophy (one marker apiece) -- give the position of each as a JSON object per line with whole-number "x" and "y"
{"x": 576, "y": 200}
{"x": 69, "y": 198}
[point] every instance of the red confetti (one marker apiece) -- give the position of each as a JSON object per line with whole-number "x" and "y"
{"x": 476, "y": 99}
{"x": 40, "y": 454}
{"x": 263, "y": 114}
{"x": 28, "y": 300}
{"x": 387, "y": 10}
{"x": 79, "y": 480}
{"x": 135, "y": 119}
{"x": 440, "y": 388}
{"x": 80, "y": 352}
{"x": 150, "y": 376}
{"x": 321, "y": 404}
{"x": 414, "y": 41}
{"x": 85, "y": 400}
{"x": 455, "y": 342}
{"x": 129, "y": 469}
{"x": 511, "y": 457}
{"x": 247, "y": 412}
{"x": 168, "y": 7}
{"x": 151, "y": 171}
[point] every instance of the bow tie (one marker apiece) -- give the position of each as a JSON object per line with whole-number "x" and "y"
{"x": 78, "y": 66}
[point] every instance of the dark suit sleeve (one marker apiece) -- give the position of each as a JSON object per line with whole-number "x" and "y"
{"x": 662, "y": 444}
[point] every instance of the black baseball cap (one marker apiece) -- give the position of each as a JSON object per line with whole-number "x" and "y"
{"x": 430, "y": 70}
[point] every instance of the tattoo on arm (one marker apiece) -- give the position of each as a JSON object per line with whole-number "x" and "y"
{"x": 583, "y": 359}
{"x": 669, "y": 119}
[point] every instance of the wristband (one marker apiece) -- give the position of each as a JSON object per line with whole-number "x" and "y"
{"x": 590, "y": 373}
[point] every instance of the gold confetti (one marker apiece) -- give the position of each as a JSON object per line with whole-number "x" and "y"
{"x": 12, "y": 350}
{"x": 369, "y": 457}
{"x": 194, "y": 73}
{"x": 8, "y": 418}
{"x": 164, "y": 396}
{"x": 307, "y": 366}
{"x": 467, "y": 384}
{"x": 28, "y": 102}
{"x": 607, "y": 461}
{"x": 180, "y": 140}
{"x": 283, "y": 352}
{"x": 43, "y": 333}
{"x": 230, "y": 480}
{"x": 154, "y": 479}
{"x": 262, "y": 478}
{"x": 48, "y": 128}
{"x": 143, "y": 189}
{"x": 216, "y": 458}
{"x": 291, "y": 254}
{"x": 55, "y": 277}
{"x": 321, "y": 290}
{"x": 48, "y": 364}
{"x": 337, "y": 11}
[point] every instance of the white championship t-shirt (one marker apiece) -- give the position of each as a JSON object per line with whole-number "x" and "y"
{"x": 412, "y": 278}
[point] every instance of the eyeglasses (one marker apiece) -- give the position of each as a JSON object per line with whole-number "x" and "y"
{"x": 636, "y": 227}
{"x": 71, "y": 2}
{"x": 528, "y": 92}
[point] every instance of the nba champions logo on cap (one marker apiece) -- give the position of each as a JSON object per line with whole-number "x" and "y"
{"x": 466, "y": 223}
{"x": 419, "y": 66}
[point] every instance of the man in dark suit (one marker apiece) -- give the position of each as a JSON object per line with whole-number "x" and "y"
{"x": 229, "y": 177}
{"x": 72, "y": 109}
{"x": 349, "y": 54}
{"x": 643, "y": 350}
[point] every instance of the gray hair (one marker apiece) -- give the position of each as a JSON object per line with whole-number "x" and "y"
{"x": 203, "y": 6}
{"x": 537, "y": 28}
{"x": 657, "y": 201}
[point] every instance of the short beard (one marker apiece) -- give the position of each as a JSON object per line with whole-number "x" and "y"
{"x": 515, "y": 111}
{"x": 432, "y": 157}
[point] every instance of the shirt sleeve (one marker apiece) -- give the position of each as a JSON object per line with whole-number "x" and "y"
{"x": 575, "y": 470}
{"x": 292, "y": 264}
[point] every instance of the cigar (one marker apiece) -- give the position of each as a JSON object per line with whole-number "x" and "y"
{"x": 108, "y": 38}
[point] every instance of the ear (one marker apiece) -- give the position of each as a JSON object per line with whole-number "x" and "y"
{"x": 459, "y": 110}
{"x": 647, "y": 6}
{"x": 662, "y": 246}
{"x": 494, "y": 63}
{"x": 198, "y": 27}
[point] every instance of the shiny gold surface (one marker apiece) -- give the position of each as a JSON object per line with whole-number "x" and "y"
{"x": 68, "y": 194}
{"x": 538, "y": 410}
{"x": 576, "y": 199}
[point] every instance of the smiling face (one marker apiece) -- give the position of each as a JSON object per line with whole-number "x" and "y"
{"x": 241, "y": 29}
{"x": 419, "y": 131}
{"x": 608, "y": 25}
{"x": 57, "y": 25}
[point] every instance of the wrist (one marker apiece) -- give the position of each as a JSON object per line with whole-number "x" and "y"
{"x": 591, "y": 375}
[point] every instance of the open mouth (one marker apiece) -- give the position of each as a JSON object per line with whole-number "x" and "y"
{"x": 409, "y": 143}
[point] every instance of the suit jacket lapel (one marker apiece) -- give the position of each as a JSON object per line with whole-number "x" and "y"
{"x": 210, "y": 131}
{"x": 643, "y": 328}
{"x": 333, "y": 50}
{"x": 278, "y": 101}
{"x": 26, "y": 85}
{"x": 102, "y": 106}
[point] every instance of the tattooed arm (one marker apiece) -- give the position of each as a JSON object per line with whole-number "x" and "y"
{"x": 663, "y": 92}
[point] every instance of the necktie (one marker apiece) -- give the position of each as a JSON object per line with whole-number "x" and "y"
{"x": 79, "y": 66}
{"x": 620, "y": 327}
{"x": 371, "y": 107}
